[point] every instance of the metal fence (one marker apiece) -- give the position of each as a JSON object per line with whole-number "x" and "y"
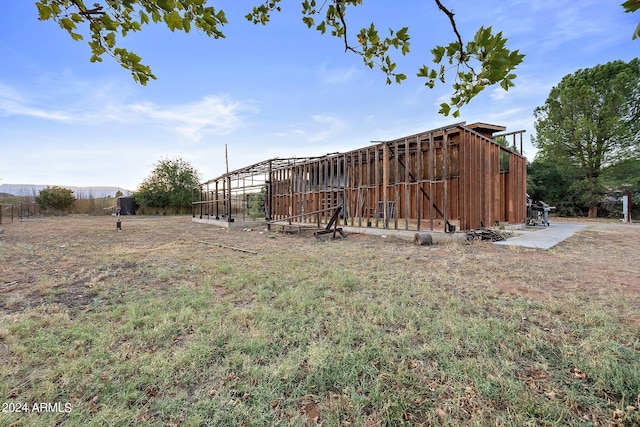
{"x": 11, "y": 212}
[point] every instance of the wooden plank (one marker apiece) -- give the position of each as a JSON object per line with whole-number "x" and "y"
{"x": 466, "y": 180}
{"x": 359, "y": 207}
{"x": 345, "y": 190}
{"x": 485, "y": 196}
{"x": 419, "y": 181}
{"x": 378, "y": 182}
{"x": 445, "y": 177}
{"x": 431, "y": 176}
{"x": 407, "y": 165}
{"x": 396, "y": 179}
{"x": 228, "y": 247}
{"x": 496, "y": 183}
{"x": 367, "y": 199}
{"x": 477, "y": 181}
{"x": 385, "y": 185}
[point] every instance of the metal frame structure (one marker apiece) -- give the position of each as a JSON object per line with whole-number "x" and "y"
{"x": 454, "y": 177}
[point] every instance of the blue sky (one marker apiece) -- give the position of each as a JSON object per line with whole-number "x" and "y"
{"x": 275, "y": 91}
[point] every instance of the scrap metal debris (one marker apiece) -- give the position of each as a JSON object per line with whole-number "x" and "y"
{"x": 485, "y": 234}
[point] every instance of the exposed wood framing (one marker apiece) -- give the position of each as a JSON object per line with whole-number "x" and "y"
{"x": 459, "y": 173}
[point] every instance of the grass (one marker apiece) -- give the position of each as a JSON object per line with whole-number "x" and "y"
{"x": 148, "y": 327}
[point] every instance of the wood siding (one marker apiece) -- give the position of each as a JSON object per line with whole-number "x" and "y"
{"x": 455, "y": 174}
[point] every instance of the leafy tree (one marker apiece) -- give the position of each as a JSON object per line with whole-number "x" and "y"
{"x": 551, "y": 180}
{"x": 590, "y": 120}
{"x": 623, "y": 177}
{"x": 169, "y": 185}
{"x": 478, "y": 63}
{"x": 256, "y": 202}
{"x": 55, "y": 198}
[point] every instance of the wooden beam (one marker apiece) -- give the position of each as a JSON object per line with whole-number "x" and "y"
{"x": 378, "y": 182}
{"x": 228, "y": 247}
{"x": 385, "y": 185}
{"x": 445, "y": 172}
{"x": 407, "y": 161}
{"x": 396, "y": 178}
{"x": 430, "y": 198}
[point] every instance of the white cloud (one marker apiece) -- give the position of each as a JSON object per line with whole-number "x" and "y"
{"x": 210, "y": 115}
{"x": 339, "y": 76}
{"x": 322, "y": 128}
{"x": 14, "y": 103}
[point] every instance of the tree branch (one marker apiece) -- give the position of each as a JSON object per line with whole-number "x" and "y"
{"x": 344, "y": 25}
{"x": 87, "y": 13}
{"x": 453, "y": 25}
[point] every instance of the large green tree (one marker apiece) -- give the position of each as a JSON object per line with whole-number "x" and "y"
{"x": 168, "y": 186}
{"x": 591, "y": 120}
{"x": 483, "y": 61}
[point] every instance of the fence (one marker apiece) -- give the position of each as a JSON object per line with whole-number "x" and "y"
{"x": 10, "y": 212}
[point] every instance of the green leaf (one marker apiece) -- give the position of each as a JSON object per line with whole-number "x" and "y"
{"x": 631, "y": 5}
{"x": 67, "y": 24}
{"x": 444, "y": 109}
{"x": 166, "y": 5}
{"x": 173, "y": 20}
{"x": 308, "y": 21}
{"x": 110, "y": 39}
{"x": 423, "y": 71}
{"x": 44, "y": 12}
{"x": 144, "y": 18}
{"x": 108, "y": 23}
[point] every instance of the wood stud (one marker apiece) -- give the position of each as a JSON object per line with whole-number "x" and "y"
{"x": 446, "y": 174}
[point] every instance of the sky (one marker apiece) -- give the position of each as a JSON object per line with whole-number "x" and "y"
{"x": 279, "y": 90}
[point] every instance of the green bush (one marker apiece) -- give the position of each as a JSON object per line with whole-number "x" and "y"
{"x": 57, "y": 198}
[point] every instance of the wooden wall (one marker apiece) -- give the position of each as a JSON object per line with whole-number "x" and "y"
{"x": 414, "y": 183}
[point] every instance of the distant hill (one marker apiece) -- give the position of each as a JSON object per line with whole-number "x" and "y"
{"x": 24, "y": 190}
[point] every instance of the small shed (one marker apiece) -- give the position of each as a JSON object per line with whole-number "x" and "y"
{"x": 126, "y": 205}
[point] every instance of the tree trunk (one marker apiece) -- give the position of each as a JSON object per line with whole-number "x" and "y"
{"x": 593, "y": 211}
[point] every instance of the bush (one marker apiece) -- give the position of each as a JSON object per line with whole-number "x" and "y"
{"x": 56, "y": 198}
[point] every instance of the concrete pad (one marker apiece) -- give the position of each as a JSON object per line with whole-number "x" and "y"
{"x": 544, "y": 238}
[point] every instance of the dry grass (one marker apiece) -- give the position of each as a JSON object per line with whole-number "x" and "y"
{"x": 149, "y": 326}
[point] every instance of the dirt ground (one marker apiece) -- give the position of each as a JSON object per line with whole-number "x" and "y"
{"x": 599, "y": 263}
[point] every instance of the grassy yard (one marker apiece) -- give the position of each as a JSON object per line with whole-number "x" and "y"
{"x": 150, "y": 326}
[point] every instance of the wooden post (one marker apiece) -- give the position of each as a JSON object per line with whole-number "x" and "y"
{"x": 445, "y": 172}
{"x": 269, "y": 194}
{"x": 376, "y": 164}
{"x": 407, "y": 164}
{"x": 396, "y": 179}
{"x": 418, "y": 181}
{"x": 431, "y": 181}
{"x": 385, "y": 185}
{"x": 229, "y": 198}
{"x": 348, "y": 214}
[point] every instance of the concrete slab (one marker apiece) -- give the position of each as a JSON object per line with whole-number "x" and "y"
{"x": 544, "y": 238}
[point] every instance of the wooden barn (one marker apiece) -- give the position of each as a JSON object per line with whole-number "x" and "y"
{"x": 458, "y": 177}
